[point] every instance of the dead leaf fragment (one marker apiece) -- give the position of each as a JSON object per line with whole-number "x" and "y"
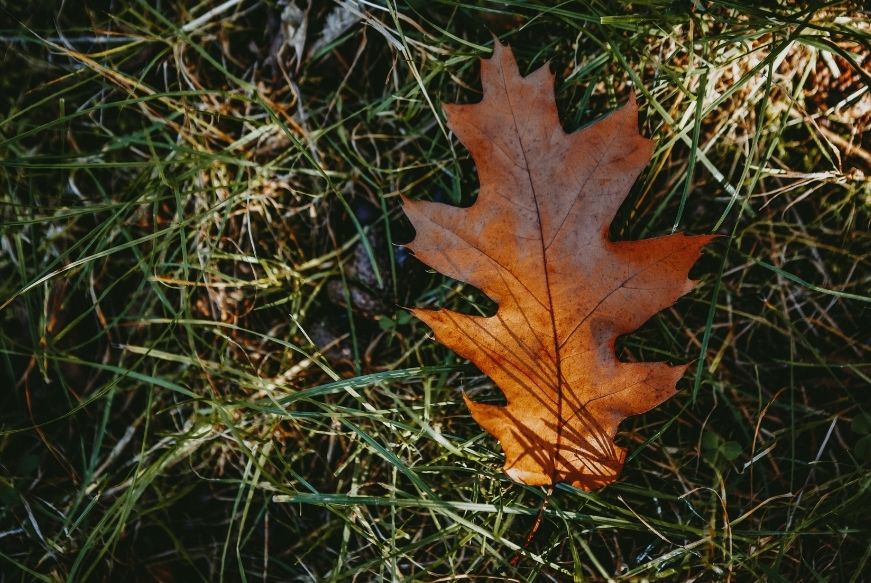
{"x": 536, "y": 242}
{"x": 338, "y": 21}
{"x": 294, "y": 21}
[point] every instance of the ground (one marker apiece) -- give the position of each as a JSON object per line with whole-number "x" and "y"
{"x": 208, "y": 372}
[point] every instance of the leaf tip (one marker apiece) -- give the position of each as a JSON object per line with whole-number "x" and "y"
{"x": 497, "y": 45}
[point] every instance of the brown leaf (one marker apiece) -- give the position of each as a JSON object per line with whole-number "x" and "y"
{"x": 536, "y": 242}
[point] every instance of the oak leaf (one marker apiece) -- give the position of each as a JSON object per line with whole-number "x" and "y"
{"x": 536, "y": 242}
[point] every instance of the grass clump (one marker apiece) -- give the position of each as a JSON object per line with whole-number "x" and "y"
{"x": 207, "y": 372}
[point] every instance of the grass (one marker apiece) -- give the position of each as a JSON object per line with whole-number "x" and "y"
{"x": 207, "y": 374}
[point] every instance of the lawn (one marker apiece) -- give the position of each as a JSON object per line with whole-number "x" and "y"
{"x": 206, "y": 369}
